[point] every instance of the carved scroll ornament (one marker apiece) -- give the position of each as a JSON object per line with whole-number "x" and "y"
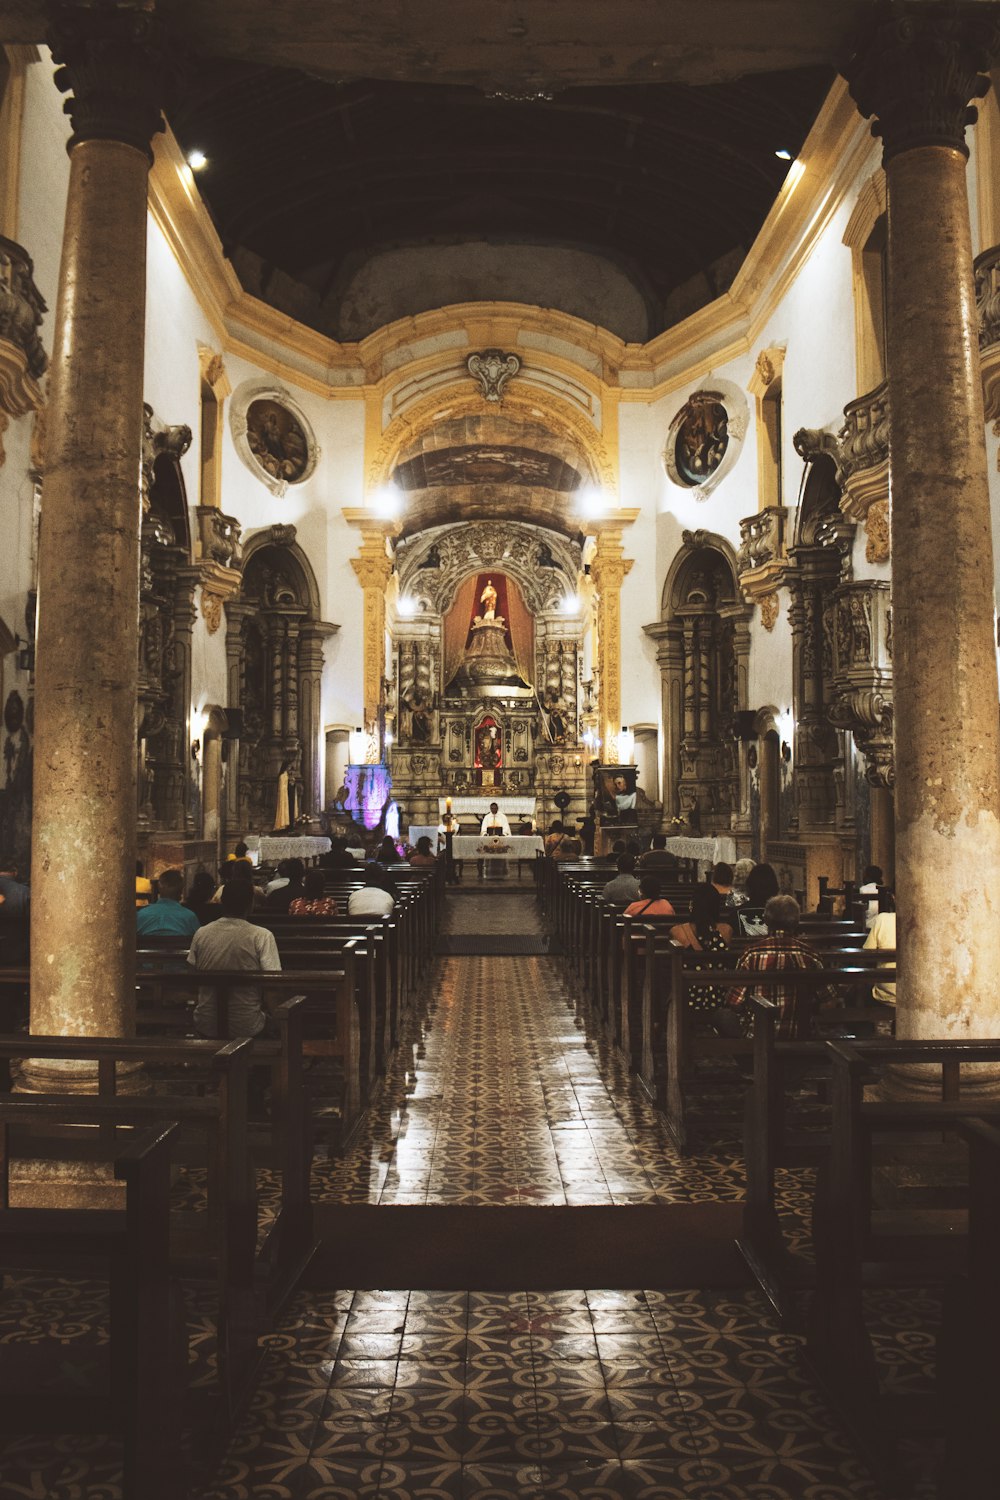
{"x": 493, "y": 368}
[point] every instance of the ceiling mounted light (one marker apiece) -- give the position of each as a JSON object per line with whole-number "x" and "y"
{"x": 197, "y": 160}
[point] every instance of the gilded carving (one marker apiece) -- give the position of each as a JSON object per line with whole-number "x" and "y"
{"x": 545, "y": 564}
{"x": 493, "y": 368}
{"x": 769, "y": 611}
{"x": 23, "y": 360}
{"x": 877, "y": 532}
{"x": 211, "y": 609}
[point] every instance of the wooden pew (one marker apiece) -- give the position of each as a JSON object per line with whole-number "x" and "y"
{"x": 851, "y": 1244}
{"x": 776, "y": 1136}
{"x": 686, "y": 1044}
{"x": 146, "y": 1333}
{"x": 331, "y": 1027}
{"x": 968, "y": 1370}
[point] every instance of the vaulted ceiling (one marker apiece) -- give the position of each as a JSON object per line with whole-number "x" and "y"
{"x": 309, "y": 180}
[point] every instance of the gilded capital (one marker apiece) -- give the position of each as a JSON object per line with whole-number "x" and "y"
{"x": 116, "y": 68}
{"x": 915, "y": 71}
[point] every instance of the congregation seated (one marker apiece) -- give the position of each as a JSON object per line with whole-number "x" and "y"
{"x": 722, "y": 879}
{"x": 166, "y": 917}
{"x": 650, "y": 902}
{"x": 15, "y": 913}
{"x": 387, "y": 853}
{"x": 616, "y": 852}
{"x": 422, "y": 856}
{"x": 657, "y": 856}
{"x": 199, "y": 898}
{"x": 882, "y": 934}
{"x": 232, "y": 942}
{"x": 741, "y": 874}
{"x": 240, "y": 854}
{"x": 280, "y": 898}
{"x": 872, "y": 880}
{"x": 279, "y": 879}
{"x": 761, "y": 885}
{"x": 313, "y": 902}
{"x": 705, "y": 931}
{"x": 781, "y": 949}
{"x": 373, "y": 900}
{"x": 624, "y": 888}
{"x": 143, "y": 885}
{"x": 338, "y": 857}
{"x": 562, "y": 843}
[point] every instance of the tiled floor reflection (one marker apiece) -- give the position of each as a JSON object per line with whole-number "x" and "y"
{"x": 501, "y": 1098}
{"x": 595, "y": 1394}
{"x": 497, "y": 1096}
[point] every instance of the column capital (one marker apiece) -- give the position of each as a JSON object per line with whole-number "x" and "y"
{"x": 915, "y": 70}
{"x": 115, "y": 67}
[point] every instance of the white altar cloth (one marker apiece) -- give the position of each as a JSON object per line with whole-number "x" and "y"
{"x": 479, "y": 806}
{"x": 518, "y": 846}
{"x": 265, "y": 848}
{"x": 706, "y": 851}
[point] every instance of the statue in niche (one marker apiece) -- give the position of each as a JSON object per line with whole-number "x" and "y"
{"x": 488, "y": 747}
{"x": 420, "y": 720}
{"x": 488, "y": 599}
{"x": 433, "y": 558}
{"x": 555, "y": 717}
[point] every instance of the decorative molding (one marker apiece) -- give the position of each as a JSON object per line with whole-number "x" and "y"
{"x": 877, "y": 546}
{"x": 213, "y": 372}
{"x": 159, "y": 438}
{"x": 219, "y": 537}
{"x": 917, "y": 72}
{"x": 116, "y": 65}
{"x": 727, "y": 395}
{"x": 768, "y": 368}
{"x": 23, "y": 360}
{"x": 768, "y": 610}
{"x": 545, "y": 564}
{"x": 861, "y": 646}
{"x": 284, "y": 473}
{"x": 860, "y": 451}
{"x": 763, "y": 557}
{"x": 218, "y": 586}
{"x": 493, "y": 369}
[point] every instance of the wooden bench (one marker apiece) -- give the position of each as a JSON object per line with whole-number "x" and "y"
{"x": 146, "y": 1329}
{"x": 330, "y": 1022}
{"x": 850, "y": 1241}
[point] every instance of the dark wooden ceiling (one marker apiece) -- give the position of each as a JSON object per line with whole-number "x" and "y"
{"x": 314, "y": 177}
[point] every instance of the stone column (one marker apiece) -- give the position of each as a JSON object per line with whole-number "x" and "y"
{"x": 83, "y": 852}
{"x": 916, "y": 72}
{"x": 310, "y": 720}
{"x": 236, "y": 612}
{"x": 373, "y": 567}
{"x": 609, "y": 569}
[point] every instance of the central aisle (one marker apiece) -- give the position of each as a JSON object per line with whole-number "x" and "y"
{"x": 499, "y": 1098}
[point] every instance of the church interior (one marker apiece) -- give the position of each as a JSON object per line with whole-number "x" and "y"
{"x": 456, "y": 460}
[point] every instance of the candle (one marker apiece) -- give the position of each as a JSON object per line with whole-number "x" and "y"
{"x": 447, "y": 804}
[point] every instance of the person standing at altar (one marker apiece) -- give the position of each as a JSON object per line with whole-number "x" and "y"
{"x": 495, "y": 819}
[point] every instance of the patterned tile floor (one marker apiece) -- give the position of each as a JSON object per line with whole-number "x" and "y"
{"x": 498, "y": 1096}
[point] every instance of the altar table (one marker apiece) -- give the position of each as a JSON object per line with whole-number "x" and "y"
{"x": 518, "y": 846}
{"x": 707, "y": 852}
{"x": 267, "y": 850}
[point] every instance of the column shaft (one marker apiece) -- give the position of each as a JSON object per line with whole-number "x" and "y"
{"x": 945, "y": 679}
{"x": 83, "y": 945}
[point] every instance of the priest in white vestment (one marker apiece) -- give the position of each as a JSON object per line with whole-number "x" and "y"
{"x": 495, "y": 819}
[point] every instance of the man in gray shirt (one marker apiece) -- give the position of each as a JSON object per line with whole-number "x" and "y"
{"x": 232, "y": 942}
{"x": 624, "y": 888}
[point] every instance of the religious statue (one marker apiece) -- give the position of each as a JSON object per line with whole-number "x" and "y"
{"x": 420, "y": 720}
{"x": 489, "y": 748}
{"x": 488, "y": 599}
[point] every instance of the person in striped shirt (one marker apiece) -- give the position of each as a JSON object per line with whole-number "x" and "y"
{"x": 781, "y": 949}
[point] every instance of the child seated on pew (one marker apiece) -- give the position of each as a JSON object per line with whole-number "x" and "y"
{"x": 313, "y": 902}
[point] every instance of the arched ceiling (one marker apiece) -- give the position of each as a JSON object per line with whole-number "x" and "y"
{"x": 490, "y": 466}
{"x": 308, "y": 181}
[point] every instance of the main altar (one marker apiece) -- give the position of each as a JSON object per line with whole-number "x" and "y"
{"x": 487, "y": 701}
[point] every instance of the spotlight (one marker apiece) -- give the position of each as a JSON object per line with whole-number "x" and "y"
{"x": 783, "y": 155}
{"x": 197, "y": 160}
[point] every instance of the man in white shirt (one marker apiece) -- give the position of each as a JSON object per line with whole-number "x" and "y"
{"x": 373, "y": 900}
{"x": 232, "y": 942}
{"x": 495, "y": 819}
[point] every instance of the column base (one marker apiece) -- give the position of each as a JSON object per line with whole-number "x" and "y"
{"x": 70, "y": 1076}
{"x": 38, "y": 1183}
